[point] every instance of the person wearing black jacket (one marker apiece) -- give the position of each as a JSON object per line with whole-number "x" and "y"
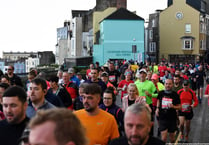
{"x": 14, "y": 79}
{"x": 109, "y": 105}
{"x": 14, "y": 107}
{"x": 60, "y": 91}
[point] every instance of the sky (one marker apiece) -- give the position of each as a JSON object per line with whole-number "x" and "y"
{"x": 30, "y": 25}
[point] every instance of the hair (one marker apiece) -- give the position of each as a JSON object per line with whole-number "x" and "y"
{"x": 94, "y": 68}
{"x": 33, "y": 73}
{"x": 177, "y": 76}
{"x": 82, "y": 85}
{"x": 133, "y": 85}
{"x": 12, "y": 67}
{"x": 16, "y": 91}
{"x": 40, "y": 81}
{"x": 6, "y": 77}
{"x": 92, "y": 88}
{"x": 68, "y": 126}
{"x": 138, "y": 108}
{"x": 4, "y": 85}
{"x": 110, "y": 90}
{"x": 54, "y": 78}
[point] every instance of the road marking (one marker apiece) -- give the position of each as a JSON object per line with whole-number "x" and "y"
{"x": 177, "y": 139}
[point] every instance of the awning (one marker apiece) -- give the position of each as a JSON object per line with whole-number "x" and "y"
{"x": 187, "y": 37}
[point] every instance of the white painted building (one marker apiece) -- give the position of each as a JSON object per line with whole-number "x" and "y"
{"x": 31, "y": 63}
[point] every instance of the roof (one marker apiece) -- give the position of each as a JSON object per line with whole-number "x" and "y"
{"x": 123, "y": 14}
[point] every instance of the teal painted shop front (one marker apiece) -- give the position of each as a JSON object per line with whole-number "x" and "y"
{"x": 117, "y": 37}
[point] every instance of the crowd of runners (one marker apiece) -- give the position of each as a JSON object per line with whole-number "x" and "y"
{"x": 165, "y": 93}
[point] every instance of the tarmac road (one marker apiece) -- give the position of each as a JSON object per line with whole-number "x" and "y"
{"x": 199, "y": 125}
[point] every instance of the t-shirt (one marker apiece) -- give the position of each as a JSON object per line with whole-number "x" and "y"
{"x": 124, "y": 141}
{"x": 113, "y": 77}
{"x": 101, "y": 128}
{"x": 124, "y": 84}
{"x": 146, "y": 86}
{"x": 165, "y": 98}
{"x": 187, "y": 98}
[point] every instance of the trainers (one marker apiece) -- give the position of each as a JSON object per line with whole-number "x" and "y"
{"x": 199, "y": 100}
{"x": 181, "y": 140}
{"x": 186, "y": 139}
{"x": 158, "y": 132}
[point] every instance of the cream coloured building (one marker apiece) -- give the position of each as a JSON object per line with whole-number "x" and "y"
{"x": 182, "y": 31}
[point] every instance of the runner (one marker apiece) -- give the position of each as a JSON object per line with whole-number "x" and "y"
{"x": 188, "y": 101}
{"x": 167, "y": 104}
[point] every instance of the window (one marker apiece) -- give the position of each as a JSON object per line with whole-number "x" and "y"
{"x": 203, "y": 44}
{"x": 188, "y": 28}
{"x": 152, "y": 47}
{"x": 150, "y": 34}
{"x": 187, "y": 44}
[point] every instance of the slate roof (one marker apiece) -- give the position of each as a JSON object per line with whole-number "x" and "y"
{"x": 123, "y": 14}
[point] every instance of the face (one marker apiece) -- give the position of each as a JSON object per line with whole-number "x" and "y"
{"x": 91, "y": 101}
{"x": 94, "y": 74}
{"x": 104, "y": 79}
{"x": 176, "y": 80}
{"x": 107, "y": 99}
{"x": 177, "y": 72}
{"x": 137, "y": 128}
{"x": 128, "y": 76}
{"x": 65, "y": 77}
{"x": 37, "y": 137}
{"x": 59, "y": 74}
{"x": 30, "y": 78}
{"x": 111, "y": 67}
{"x": 4, "y": 80}
{"x": 154, "y": 81}
{"x": 186, "y": 87}
{"x": 52, "y": 84}
{"x": 10, "y": 70}
{"x": 149, "y": 75}
{"x": 168, "y": 84}
{"x": 14, "y": 109}
{"x": 37, "y": 94}
{"x": 143, "y": 76}
{"x": 132, "y": 91}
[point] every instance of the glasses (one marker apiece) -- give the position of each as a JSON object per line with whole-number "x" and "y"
{"x": 107, "y": 98}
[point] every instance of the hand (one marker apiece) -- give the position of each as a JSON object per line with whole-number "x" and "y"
{"x": 157, "y": 112}
{"x": 170, "y": 105}
{"x": 141, "y": 100}
{"x": 148, "y": 94}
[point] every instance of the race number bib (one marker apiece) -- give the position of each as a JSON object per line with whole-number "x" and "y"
{"x": 112, "y": 78}
{"x": 165, "y": 102}
{"x": 185, "y": 107}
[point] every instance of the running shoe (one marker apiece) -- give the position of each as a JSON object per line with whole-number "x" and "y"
{"x": 181, "y": 140}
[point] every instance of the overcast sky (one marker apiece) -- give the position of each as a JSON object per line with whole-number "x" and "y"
{"x": 30, "y": 25}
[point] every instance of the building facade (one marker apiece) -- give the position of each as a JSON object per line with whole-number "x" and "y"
{"x": 31, "y": 63}
{"x": 182, "y": 33}
{"x": 121, "y": 37}
{"x": 152, "y": 38}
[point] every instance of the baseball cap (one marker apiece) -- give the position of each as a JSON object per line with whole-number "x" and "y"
{"x": 104, "y": 74}
{"x": 71, "y": 70}
{"x": 143, "y": 70}
{"x": 154, "y": 77}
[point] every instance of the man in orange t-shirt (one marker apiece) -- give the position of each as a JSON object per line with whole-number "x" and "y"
{"x": 101, "y": 127}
